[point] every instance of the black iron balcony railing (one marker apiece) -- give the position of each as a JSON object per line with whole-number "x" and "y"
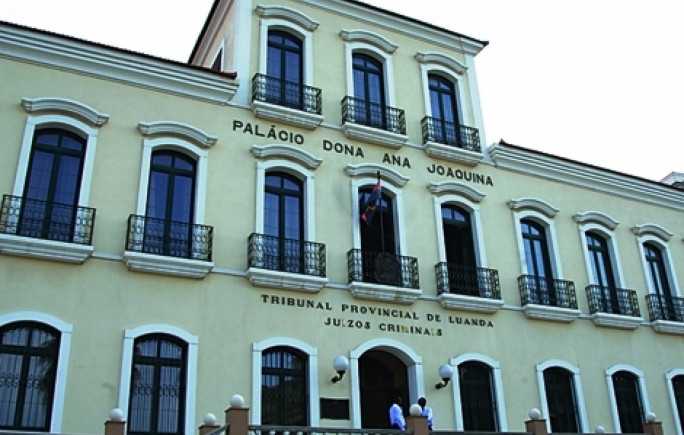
{"x": 609, "y": 300}
{"x": 448, "y": 133}
{"x": 363, "y": 112}
{"x": 469, "y": 281}
{"x": 286, "y": 255}
{"x": 547, "y": 291}
{"x": 46, "y": 220}
{"x": 285, "y": 93}
{"x": 169, "y": 238}
{"x": 382, "y": 268}
{"x": 665, "y": 307}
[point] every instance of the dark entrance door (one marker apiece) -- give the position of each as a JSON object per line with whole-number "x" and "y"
{"x": 382, "y": 377}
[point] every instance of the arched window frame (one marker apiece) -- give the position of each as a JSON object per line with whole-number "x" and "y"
{"x": 497, "y": 380}
{"x": 611, "y": 391}
{"x": 352, "y": 48}
{"x": 457, "y": 79}
{"x": 192, "y": 341}
{"x": 65, "y": 330}
{"x": 611, "y": 241}
{"x": 669, "y": 376}
{"x": 551, "y": 238}
{"x": 297, "y": 30}
{"x": 312, "y": 353}
{"x": 469, "y": 207}
{"x": 577, "y": 384}
{"x": 667, "y": 260}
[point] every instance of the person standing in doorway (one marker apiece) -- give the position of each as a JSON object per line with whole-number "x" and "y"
{"x": 396, "y": 415}
{"x": 426, "y": 411}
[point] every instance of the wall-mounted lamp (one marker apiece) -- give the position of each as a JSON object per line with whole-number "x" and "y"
{"x": 445, "y": 372}
{"x": 341, "y": 365}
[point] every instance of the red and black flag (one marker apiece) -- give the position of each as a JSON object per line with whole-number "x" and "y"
{"x": 368, "y": 209}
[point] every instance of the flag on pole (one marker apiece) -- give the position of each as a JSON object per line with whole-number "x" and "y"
{"x": 369, "y": 207}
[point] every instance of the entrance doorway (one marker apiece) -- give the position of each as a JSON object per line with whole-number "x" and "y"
{"x": 382, "y": 377}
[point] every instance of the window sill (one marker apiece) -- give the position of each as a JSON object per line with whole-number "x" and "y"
{"x": 554, "y": 314}
{"x": 668, "y": 327}
{"x": 44, "y": 249}
{"x": 286, "y": 115}
{"x": 474, "y": 304}
{"x": 452, "y": 154}
{"x": 385, "y": 293}
{"x": 374, "y": 135}
{"x": 285, "y": 280}
{"x": 617, "y": 321}
{"x": 162, "y": 265}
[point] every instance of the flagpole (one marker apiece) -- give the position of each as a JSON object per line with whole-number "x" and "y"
{"x": 382, "y": 226}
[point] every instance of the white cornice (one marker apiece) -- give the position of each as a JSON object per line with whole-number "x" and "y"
{"x": 372, "y": 169}
{"x": 653, "y": 230}
{"x": 172, "y": 128}
{"x": 288, "y": 152}
{"x": 536, "y": 204}
{"x": 596, "y": 217}
{"x": 288, "y": 14}
{"x": 371, "y": 38}
{"x": 108, "y": 63}
{"x": 452, "y": 187}
{"x": 67, "y": 107}
{"x": 428, "y": 57}
{"x": 576, "y": 174}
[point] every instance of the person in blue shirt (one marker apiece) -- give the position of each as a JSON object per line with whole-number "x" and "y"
{"x": 396, "y": 415}
{"x": 427, "y": 411}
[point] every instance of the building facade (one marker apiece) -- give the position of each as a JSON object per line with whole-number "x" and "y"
{"x": 306, "y": 213}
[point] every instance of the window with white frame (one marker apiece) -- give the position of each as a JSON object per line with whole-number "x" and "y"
{"x": 628, "y": 398}
{"x": 478, "y": 391}
{"x": 675, "y": 388}
{"x": 560, "y": 388}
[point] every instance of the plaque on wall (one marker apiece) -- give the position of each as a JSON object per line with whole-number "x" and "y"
{"x": 335, "y": 409}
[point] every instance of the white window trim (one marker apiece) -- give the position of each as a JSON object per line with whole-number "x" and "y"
{"x": 667, "y": 260}
{"x": 351, "y": 48}
{"x": 192, "y": 341}
{"x": 428, "y": 68}
{"x": 475, "y": 222}
{"x": 613, "y": 251}
{"x": 577, "y": 384}
{"x": 414, "y": 369}
{"x": 611, "y": 392}
{"x": 258, "y": 348}
{"x": 497, "y": 385}
{"x": 551, "y": 238}
{"x": 65, "y": 330}
{"x": 267, "y": 24}
{"x": 673, "y": 401}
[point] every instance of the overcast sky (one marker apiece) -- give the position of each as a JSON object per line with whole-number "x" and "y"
{"x": 599, "y": 81}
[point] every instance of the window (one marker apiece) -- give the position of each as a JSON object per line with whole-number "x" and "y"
{"x": 28, "y": 363}
{"x": 283, "y": 222}
{"x": 560, "y": 399}
{"x": 460, "y": 251}
{"x": 662, "y": 301}
{"x": 444, "y": 111}
{"x": 170, "y": 205}
{"x": 677, "y": 389}
{"x": 627, "y": 401}
{"x": 478, "y": 398}
{"x": 538, "y": 263}
{"x": 369, "y": 91}
{"x": 284, "y": 69}
{"x": 284, "y": 389}
{"x": 158, "y": 385}
{"x": 379, "y": 236}
{"x": 602, "y": 272}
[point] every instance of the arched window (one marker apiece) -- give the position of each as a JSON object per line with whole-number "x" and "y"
{"x": 678, "y": 392}
{"x": 52, "y": 186}
{"x": 561, "y": 401}
{"x": 284, "y": 389}
{"x": 158, "y": 385}
{"x": 602, "y": 272}
{"x": 445, "y": 121}
{"x": 460, "y": 250}
{"x": 28, "y": 364}
{"x": 284, "y": 68}
{"x": 538, "y": 262}
{"x": 283, "y": 222}
{"x": 170, "y": 204}
{"x": 369, "y": 91}
{"x": 628, "y": 401}
{"x": 478, "y": 398}
{"x": 661, "y": 300}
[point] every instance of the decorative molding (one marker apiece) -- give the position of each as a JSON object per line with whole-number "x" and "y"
{"x": 368, "y": 37}
{"x": 374, "y": 135}
{"x": 288, "y": 14}
{"x": 668, "y": 327}
{"x": 452, "y": 154}
{"x": 559, "y": 170}
{"x": 162, "y": 265}
{"x": 616, "y": 321}
{"x": 432, "y": 57}
{"x": 285, "y": 280}
{"x": 469, "y": 303}
{"x": 286, "y": 115}
{"x": 535, "y": 204}
{"x": 103, "y": 62}
{"x": 66, "y": 107}
{"x": 288, "y": 152}
{"x": 453, "y": 187}
{"x": 597, "y": 217}
{"x": 371, "y": 170}
{"x": 44, "y": 249}
{"x": 384, "y": 293}
{"x": 172, "y": 128}
{"x": 653, "y": 230}
{"x": 554, "y": 314}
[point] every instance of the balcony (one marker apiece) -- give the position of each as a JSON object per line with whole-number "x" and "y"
{"x": 286, "y": 263}
{"x": 449, "y": 141}
{"x": 284, "y": 101}
{"x": 374, "y": 123}
{"x": 168, "y": 247}
{"x": 474, "y": 289}
{"x": 382, "y": 276}
{"x": 548, "y": 298}
{"x": 666, "y": 313}
{"x": 46, "y": 230}
{"x": 614, "y": 307}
